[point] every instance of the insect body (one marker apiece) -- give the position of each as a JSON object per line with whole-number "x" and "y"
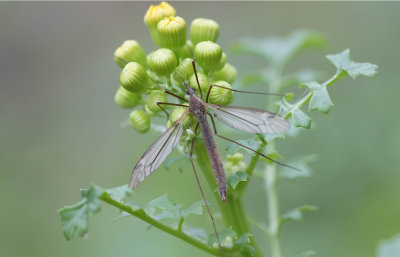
{"x": 241, "y": 118}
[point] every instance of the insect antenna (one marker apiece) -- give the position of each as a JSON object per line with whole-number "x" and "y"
{"x": 202, "y": 193}
{"x": 197, "y": 78}
{"x": 168, "y": 92}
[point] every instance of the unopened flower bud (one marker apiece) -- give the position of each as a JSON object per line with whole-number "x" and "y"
{"x": 228, "y": 73}
{"x": 130, "y": 51}
{"x": 184, "y": 70}
{"x": 220, "y": 95}
{"x": 203, "y": 80}
{"x": 140, "y": 121}
{"x": 208, "y": 55}
{"x": 234, "y": 163}
{"x": 134, "y": 77}
{"x": 221, "y": 63}
{"x": 177, "y": 113}
{"x": 172, "y": 33}
{"x": 152, "y": 99}
{"x": 163, "y": 62}
{"x": 126, "y": 99}
{"x": 203, "y": 30}
{"x": 187, "y": 50}
{"x": 154, "y": 15}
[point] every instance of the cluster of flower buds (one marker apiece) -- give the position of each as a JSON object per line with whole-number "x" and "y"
{"x": 171, "y": 65}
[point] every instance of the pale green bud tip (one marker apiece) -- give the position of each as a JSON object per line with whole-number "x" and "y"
{"x": 220, "y": 95}
{"x": 134, "y": 77}
{"x": 152, "y": 99}
{"x": 208, "y": 55}
{"x": 177, "y": 113}
{"x": 140, "y": 121}
{"x": 163, "y": 62}
{"x": 126, "y": 99}
{"x": 184, "y": 70}
{"x": 203, "y": 80}
{"x": 172, "y": 32}
{"x": 130, "y": 51}
{"x": 155, "y": 13}
{"x": 203, "y": 30}
{"x": 228, "y": 74}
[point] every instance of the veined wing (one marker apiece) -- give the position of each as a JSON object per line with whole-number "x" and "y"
{"x": 157, "y": 152}
{"x": 250, "y": 119}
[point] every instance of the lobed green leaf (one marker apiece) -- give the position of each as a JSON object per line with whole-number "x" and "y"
{"x": 320, "y": 99}
{"x": 226, "y": 237}
{"x": 297, "y": 213}
{"x": 354, "y": 69}
{"x": 235, "y": 178}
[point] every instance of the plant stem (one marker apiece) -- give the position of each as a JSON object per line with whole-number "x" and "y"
{"x": 273, "y": 210}
{"x": 232, "y": 210}
{"x": 172, "y": 231}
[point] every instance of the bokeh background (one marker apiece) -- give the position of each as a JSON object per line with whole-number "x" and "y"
{"x": 60, "y": 128}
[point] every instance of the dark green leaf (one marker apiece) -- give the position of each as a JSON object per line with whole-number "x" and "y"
{"x": 301, "y": 163}
{"x": 320, "y": 99}
{"x": 226, "y": 237}
{"x": 297, "y": 213}
{"x": 389, "y": 248}
{"x": 237, "y": 177}
{"x": 354, "y": 69}
{"x": 76, "y": 217}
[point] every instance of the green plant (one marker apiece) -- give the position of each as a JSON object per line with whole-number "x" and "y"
{"x": 168, "y": 66}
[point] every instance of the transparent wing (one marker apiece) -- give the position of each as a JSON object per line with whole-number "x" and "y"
{"x": 250, "y": 119}
{"x": 157, "y": 152}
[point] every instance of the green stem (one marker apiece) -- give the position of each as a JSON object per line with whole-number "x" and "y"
{"x": 273, "y": 210}
{"x": 172, "y": 231}
{"x": 232, "y": 211}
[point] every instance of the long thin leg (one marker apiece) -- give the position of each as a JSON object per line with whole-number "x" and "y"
{"x": 197, "y": 78}
{"x": 164, "y": 103}
{"x": 202, "y": 193}
{"x": 239, "y": 91}
{"x": 168, "y": 92}
{"x": 263, "y": 155}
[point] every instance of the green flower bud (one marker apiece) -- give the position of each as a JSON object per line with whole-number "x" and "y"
{"x": 203, "y": 80}
{"x": 134, "y": 77}
{"x": 184, "y": 70}
{"x": 129, "y": 51}
{"x": 140, "y": 121}
{"x": 208, "y": 55}
{"x": 203, "y": 30}
{"x": 187, "y": 50}
{"x": 222, "y": 62}
{"x": 126, "y": 99}
{"x": 219, "y": 95}
{"x": 228, "y": 73}
{"x": 163, "y": 62}
{"x": 177, "y": 113}
{"x": 152, "y": 99}
{"x": 172, "y": 33}
{"x": 154, "y": 15}
{"x": 234, "y": 163}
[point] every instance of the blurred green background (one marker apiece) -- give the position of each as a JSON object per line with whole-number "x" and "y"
{"x": 60, "y": 128}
